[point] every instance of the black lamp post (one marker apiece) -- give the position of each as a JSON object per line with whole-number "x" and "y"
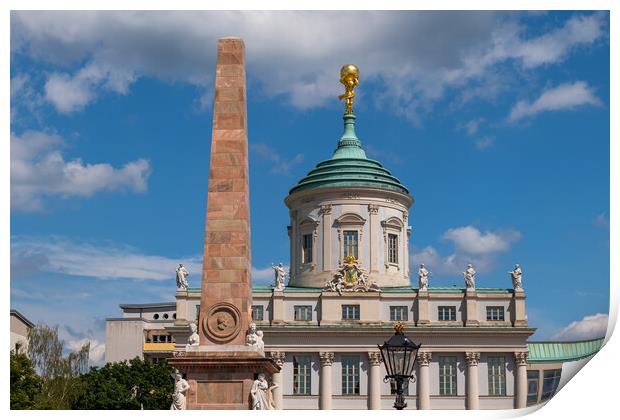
{"x": 399, "y": 354}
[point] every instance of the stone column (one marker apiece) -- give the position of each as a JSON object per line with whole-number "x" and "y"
{"x": 519, "y": 312}
{"x": 472, "y": 359}
{"x": 521, "y": 379}
{"x": 373, "y": 210}
{"x": 326, "y": 211}
{"x": 278, "y": 357}
{"x": 374, "y": 380}
{"x": 325, "y": 392}
{"x": 424, "y": 393}
{"x": 406, "y": 236}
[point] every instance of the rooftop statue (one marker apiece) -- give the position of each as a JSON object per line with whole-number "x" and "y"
{"x": 280, "y": 274}
{"x": 349, "y": 74}
{"x": 423, "y": 274}
{"x": 515, "y": 275}
{"x": 470, "y": 277}
{"x": 182, "y": 275}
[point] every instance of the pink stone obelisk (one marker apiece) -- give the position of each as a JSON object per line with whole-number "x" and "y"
{"x": 221, "y": 370}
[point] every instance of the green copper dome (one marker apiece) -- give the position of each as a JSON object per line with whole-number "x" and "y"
{"x": 349, "y": 167}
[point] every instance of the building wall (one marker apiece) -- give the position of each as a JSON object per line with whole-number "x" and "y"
{"x": 124, "y": 339}
{"x": 19, "y": 334}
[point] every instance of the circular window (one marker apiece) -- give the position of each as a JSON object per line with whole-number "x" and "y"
{"x": 156, "y": 316}
{"x": 165, "y": 316}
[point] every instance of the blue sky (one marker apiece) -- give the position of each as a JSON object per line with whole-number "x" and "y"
{"x": 497, "y": 122}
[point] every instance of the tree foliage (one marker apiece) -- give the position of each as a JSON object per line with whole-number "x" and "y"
{"x": 59, "y": 373}
{"x": 127, "y": 386}
{"x": 25, "y": 383}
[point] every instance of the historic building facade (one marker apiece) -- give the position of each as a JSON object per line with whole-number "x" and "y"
{"x": 350, "y": 281}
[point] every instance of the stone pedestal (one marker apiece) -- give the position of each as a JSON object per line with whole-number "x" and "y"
{"x": 471, "y": 302}
{"x": 423, "y": 314}
{"x": 519, "y": 312}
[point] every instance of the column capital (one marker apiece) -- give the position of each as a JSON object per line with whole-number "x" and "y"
{"x": 521, "y": 358}
{"x": 278, "y": 357}
{"x": 374, "y": 358}
{"x": 373, "y": 209}
{"x": 472, "y": 358}
{"x": 326, "y": 358}
{"x": 424, "y": 358}
{"x": 326, "y": 209}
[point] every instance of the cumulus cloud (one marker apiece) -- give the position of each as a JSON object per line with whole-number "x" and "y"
{"x": 590, "y": 327}
{"x": 101, "y": 261}
{"x": 565, "y": 96}
{"x": 394, "y": 49}
{"x": 280, "y": 165}
{"x": 470, "y": 246}
{"x": 96, "y": 352}
{"x": 38, "y": 169}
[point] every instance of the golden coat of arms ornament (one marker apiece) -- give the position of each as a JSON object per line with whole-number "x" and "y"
{"x": 351, "y": 278}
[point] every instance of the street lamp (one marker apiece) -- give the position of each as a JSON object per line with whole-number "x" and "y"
{"x": 399, "y": 354}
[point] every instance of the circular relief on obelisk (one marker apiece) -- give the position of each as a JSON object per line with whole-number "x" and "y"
{"x": 223, "y": 322}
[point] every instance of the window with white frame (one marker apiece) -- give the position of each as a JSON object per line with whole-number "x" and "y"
{"x": 303, "y": 312}
{"x": 495, "y": 313}
{"x": 302, "y": 374}
{"x": 257, "y": 312}
{"x": 350, "y": 243}
{"x": 306, "y": 253}
{"x": 350, "y": 312}
{"x": 446, "y": 313}
{"x": 447, "y": 375}
{"x": 551, "y": 380}
{"x": 533, "y": 378}
{"x": 496, "y": 366}
{"x": 392, "y": 248}
{"x": 398, "y": 313}
{"x": 350, "y": 375}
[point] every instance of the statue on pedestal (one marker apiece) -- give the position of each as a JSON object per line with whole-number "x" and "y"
{"x": 254, "y": 337}
{"x": 261, "y": 393}
{"x": 182, "y": 275}
{"x": 349, "y": 77}
{"x": 179, "y": 400}
{"x": 470, "y": 277}
{"x": 515, "y": 275}
{"x": 280, "y": 275}
{"x": 423, "y": 274}
{"x": 194, "y": 338}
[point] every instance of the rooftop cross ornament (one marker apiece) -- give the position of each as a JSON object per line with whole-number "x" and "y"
{"x": 349, "y": 78}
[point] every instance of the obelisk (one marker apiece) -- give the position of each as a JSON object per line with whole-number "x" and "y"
{"x": 221, "y": 369}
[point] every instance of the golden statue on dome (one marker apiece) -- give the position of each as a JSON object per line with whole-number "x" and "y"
{"x": 349, "y": 77}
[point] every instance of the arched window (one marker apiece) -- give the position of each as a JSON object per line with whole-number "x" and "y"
{"x": 350, "y": 227}
{"x": 392, "y": 236}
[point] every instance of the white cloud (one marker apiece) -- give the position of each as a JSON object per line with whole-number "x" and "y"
{"x": 601, "y": 220}
{"x": 484, "y": 142}
{"x": 472, "y": 126}
{"x": 70, "y": 257}
{"x": 265, "y": 275}
{"x": 470, "y": 240}
{"x": 590, "y": 327}
{"x": 38, "y": 169}
{"x": 408, "y": 53}
{"x": 565, "y": 96}
{"x": 96, "y": 353}
{"x": 470, "y": 246}
{"x": 279, "y": 165}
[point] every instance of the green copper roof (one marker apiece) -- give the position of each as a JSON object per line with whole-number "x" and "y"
{"x": 349, "y": 167}
{"x": 550, "y": 352}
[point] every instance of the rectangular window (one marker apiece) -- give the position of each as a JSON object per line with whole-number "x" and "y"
{"x": 447, "y": 313}
{"x": 307, "y": 249}
{"x": 301, "y": 375}
{"x": 392, "y": 248}
{"x": 497, "y": 375}
{"x": 257, "y": 312}
{"x": 350, "y": 312}
{"x": 303, "y": 312}
{"x": 393, "y": 387}
{"x": 447, "y": 375}
{"x": 197, "y": 312}
{"x": 495, "y": 313}
{"x": 532, "y": 386}
{"x": 350, "y": 375}
{"x": 350, "y": 243}
{"x": 398, "y": 313}
{"x": 551, "y": 380}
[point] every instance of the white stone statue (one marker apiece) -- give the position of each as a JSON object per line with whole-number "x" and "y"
{"x": 423, "y": 274}
{"x": 254, "y": 337}
{"x": 261, "y": 393}
{"x": 179, "y": 400}
{"x": 470, "y": 277}
{"x": 182, "y": 274}
{"x": 280, "y": 275}
{"x": 194, "y": 339}
{"x": 515, "y": 275}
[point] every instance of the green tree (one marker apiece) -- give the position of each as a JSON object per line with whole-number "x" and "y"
{"x": 126, "y": 386}
{"x": 25, "y": 383}
{"x": 59, "y": 372}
